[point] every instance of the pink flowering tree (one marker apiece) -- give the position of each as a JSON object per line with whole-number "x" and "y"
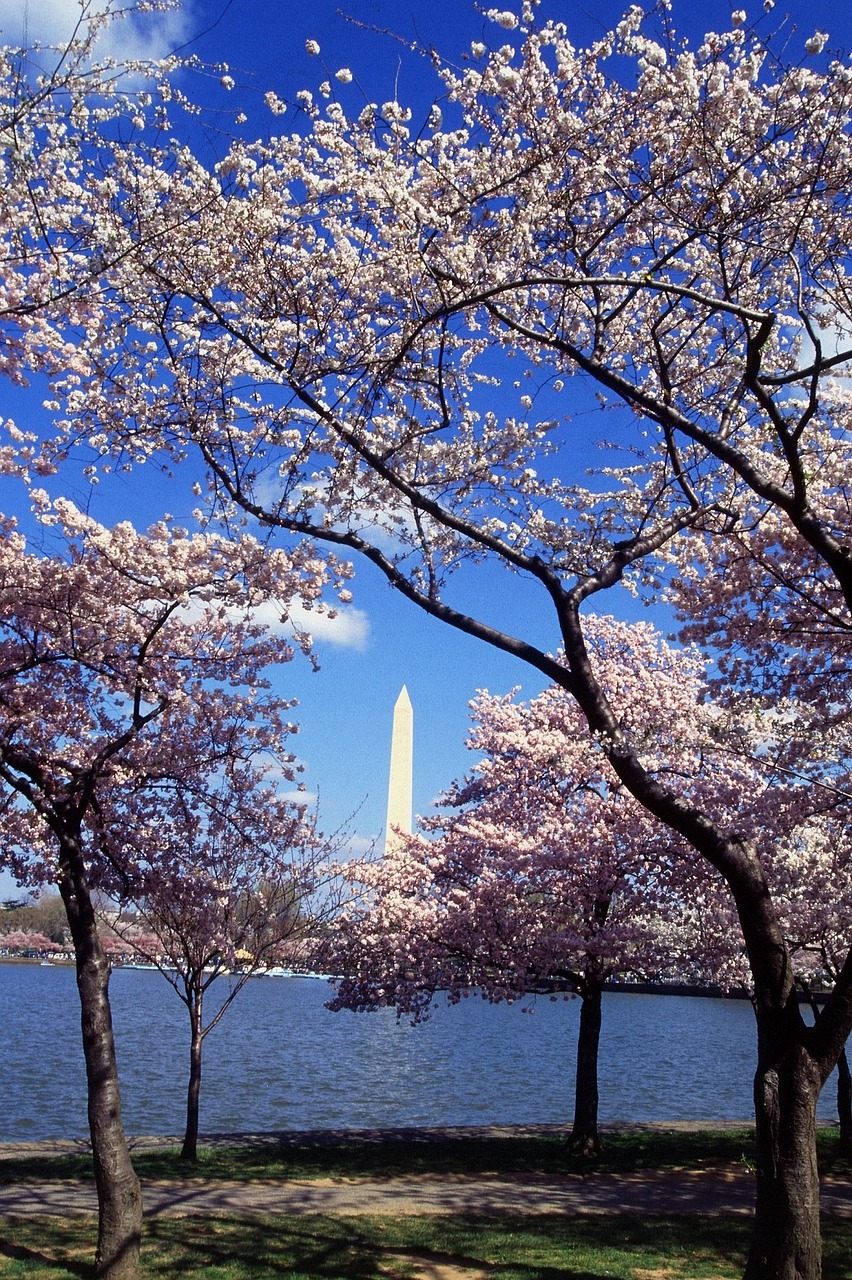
{"x": 369, "y": 329}
{"x": 121, "y": 657}
{"x": 18, "y": 940}
{"x": 544, "y": 873}
{"x": 131, "y": 678}
{"x": 225, "y": 895}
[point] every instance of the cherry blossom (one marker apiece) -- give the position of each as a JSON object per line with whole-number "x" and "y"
{"x": 543, "y": 873}
{"x": 131, "y": 684}
{"x": 225, "y": 893}
{"x": 347, "y": 319}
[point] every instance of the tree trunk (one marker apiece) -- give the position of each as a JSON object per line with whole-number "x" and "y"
{"x": 119, "y": 1194}
{"x": 584, "y": 1135}
{"x": 844, "y": 1103}
{"x": 786, "y": 1243}
{"x": 189, "y": 1151}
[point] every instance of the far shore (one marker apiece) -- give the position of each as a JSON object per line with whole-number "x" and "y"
{"x": 616, "y": 985}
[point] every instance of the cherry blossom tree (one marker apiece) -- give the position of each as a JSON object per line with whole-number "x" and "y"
{"x": 375, "y": 322}
{"x": 131, "y": 675}
{"x": 226, "y": 898}
{"x": 546, "y": 874}
{"x": 18, "y": 940}
{"x": 101, "y": 666}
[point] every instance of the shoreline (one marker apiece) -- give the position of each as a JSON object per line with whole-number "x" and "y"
{"x": 685, "y": 990}
{"x": 13, "y": 1149}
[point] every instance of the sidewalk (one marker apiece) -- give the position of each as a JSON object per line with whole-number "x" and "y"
{"x": 649, "y": 1192}
{"x": 707, "y": 1191}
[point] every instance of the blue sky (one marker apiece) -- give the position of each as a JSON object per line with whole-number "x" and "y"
{"x": 345, "y": 710}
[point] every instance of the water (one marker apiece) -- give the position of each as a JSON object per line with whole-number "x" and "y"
{"x": 280, "y": 1060}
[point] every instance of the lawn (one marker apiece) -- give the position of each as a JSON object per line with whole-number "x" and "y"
{"x": 623, "y": 1153}
{"x": 316, "y": 1247}
{"x": 618, "y": 1247}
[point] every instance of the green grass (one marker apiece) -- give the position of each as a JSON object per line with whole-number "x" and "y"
{"x": 615, "y": 1246}
{"x": 392, "y": 1157}
{"x": 619, "y": 1247}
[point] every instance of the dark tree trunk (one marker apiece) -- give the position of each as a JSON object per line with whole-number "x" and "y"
{"x": 189, "y": 1151}
{"x": 119, "y": 1194}
{"x": 844, "y": 1085}
{"x": 584, "y": 1135}
{"x": 786, "y": 1242}
{"x": 844, "y": 1103}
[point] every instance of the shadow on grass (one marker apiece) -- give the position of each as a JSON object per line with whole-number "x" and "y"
{"x": 289, "y": 1156}
{"x": 282, "y": 1156}
{"x": 557, "y": 1247}
{"x": 327, "y": 1249}
{"x": 544, "y": 1248}
{"x": 316, "y": 1247}
{"x": 37, "y": 1168}
{"x": 69, "y": 1244}
{"x": 222, "y": 1249}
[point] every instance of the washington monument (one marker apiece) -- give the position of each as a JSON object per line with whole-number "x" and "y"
{"x": 401, "y": 764}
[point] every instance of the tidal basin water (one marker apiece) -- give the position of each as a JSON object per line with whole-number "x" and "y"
{"x": 280, "y": 1060}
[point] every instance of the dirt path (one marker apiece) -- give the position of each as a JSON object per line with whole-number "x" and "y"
{"x": 704, "y": 1191}
{"x": 648, "y": 1191}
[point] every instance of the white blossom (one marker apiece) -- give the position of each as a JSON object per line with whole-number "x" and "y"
{"x": 817, "y": 42}
{"x": 276, "y": 106}
{"x": 503, "y": 18}
{"x": 508, "y": 77}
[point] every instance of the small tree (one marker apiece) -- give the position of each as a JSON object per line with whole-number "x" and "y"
{"x": 226, "y": 897}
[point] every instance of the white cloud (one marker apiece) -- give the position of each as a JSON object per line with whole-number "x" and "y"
{"x": 361, "y": 846}
{"x": 390, "y": 528}
{"x": 55, "y": 22}
{"x": 306, "y": 797}
{"x": 833, "y": 340}
{"x": 348, "y": 629}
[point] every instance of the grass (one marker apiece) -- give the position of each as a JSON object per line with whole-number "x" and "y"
{"x": 392, "y": 1157}
{"x": 619, "y": 1247}
{"x": 317, "y": 1247}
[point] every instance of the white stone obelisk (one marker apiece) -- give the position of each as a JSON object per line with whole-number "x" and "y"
{"x": 401, "y": 769}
